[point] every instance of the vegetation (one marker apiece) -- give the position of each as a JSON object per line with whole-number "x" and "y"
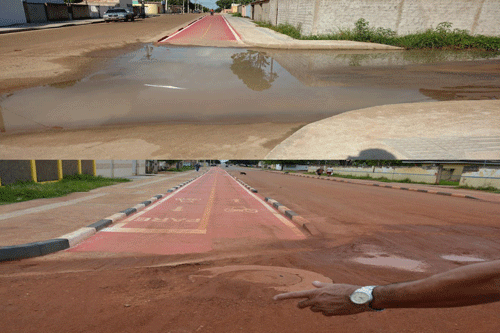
{"x": 181, "y": 169}
{"x": 408, "y": 181}
{"x": 441, "y": 37}
{"x": 24, "y": 191}
{"x": 236, "y": 14}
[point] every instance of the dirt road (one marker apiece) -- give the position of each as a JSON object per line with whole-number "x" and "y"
{"x": 48, "y": 56}
{"x": 370, "y": 236}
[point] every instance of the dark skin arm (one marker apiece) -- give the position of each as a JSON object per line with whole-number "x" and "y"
{"x": 468, "y": 285}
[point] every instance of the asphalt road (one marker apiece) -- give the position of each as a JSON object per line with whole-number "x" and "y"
{"x": 371, "y": 235}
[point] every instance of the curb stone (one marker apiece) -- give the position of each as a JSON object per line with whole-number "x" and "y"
{"x": 36, "y": 249}
{"x": 305, "y": 224}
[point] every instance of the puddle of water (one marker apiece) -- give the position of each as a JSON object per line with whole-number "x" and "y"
{"x": 461, "y": 258}
{"x": 385, "y": 260}
{"x": 219, "y": 85}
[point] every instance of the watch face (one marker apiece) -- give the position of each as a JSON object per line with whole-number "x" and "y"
{"x": 360, "y": 298}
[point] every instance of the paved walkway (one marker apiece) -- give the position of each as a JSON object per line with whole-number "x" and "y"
{"x": 194, "y": 219}
{"x": 47, "y": 25}
{"x": 42, "y": 219}
{"x": 255, "y": 36}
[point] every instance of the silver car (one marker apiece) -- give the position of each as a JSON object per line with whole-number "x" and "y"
{"x": 118, "y": 14}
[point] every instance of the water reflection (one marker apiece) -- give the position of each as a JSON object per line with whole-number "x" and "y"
{"x": 236, "y": 86}
{"x": 255, "y": 69}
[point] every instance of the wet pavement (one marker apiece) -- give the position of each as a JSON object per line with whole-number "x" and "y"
{"x": 206, "y": 85}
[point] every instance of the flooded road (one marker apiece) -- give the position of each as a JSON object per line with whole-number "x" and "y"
{"x": 210, "y": 86}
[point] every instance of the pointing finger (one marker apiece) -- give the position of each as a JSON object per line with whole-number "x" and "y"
{"x": 318, "y": 284}
{"x": 295, "y": 294}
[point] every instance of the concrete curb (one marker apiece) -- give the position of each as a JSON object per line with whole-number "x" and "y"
{"x": 30, "y": 250}
{"x": 246, "y": 185}
{"x": 302, "y": 222}
{"x": 396, "y": 187}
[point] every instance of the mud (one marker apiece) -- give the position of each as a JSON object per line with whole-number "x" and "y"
{"x": 230, "y": 289}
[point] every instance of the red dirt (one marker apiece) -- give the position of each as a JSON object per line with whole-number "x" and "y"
{"x": 80, "y": 292}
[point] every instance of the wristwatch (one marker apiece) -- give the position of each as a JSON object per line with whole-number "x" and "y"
{"x": 364, "y": 295}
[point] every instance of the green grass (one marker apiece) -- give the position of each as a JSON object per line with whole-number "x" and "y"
{"x": 408, "y": 181}
{"x": 441, "y": 37}
{"x": 184, "y": 168}
{"x": 24, "y": 191}
{"x": 236, "y": 15}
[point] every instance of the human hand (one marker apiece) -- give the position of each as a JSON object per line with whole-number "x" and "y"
{"x": 330, "y": 299}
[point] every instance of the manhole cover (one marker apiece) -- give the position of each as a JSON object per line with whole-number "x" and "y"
{"x": 280, "y": 278}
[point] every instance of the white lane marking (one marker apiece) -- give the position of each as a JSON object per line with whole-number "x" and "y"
{"x": 169, "y": 87}
{"x": 50, "y": 206}
{"x": 234, "y": 33}
{"x": 158, "y": 180}
{"x": 117, "y": 227}
{"x": 278, "y": 215}
{"x": 178, "y": 32}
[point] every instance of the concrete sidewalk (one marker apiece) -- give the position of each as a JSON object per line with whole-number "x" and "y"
{"x": 255, "y": 36}
{"x": 47, "y": 25}
{"x": 44, "y": 219}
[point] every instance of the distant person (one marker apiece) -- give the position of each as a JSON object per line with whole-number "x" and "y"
{"x": 329, "y": 171}
{"x": 319, "y": 171}
{"x": 211, "y": 12}
{"x": 468, "y": 285}
{"x": 197, "y": 167}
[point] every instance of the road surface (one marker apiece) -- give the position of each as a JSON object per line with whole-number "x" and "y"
{"x": 206, "y": 31}
{"x": 194, "y": 219}
{"x": 371, "y": 235}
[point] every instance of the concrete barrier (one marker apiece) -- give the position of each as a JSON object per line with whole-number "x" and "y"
{"x": 481, "y": 178}
{"x": 415, "y": 174}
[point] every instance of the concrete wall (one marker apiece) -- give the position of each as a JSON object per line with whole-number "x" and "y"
{"x": 14, "y": 170}
{"x": 402, "y": 16}
{"x": 120, "y": 168}
{"x": 11, "y": 12}
{"x": 415, "y": 174}
{"x": 80, "y": 12}
{"x": 57, "y": 12}
{"x": 482, "y": 178}
{"x": 35, "y": 12}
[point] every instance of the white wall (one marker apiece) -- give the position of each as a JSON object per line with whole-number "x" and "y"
{"x": 481, "y": 178}
{"x": 11, "y": 12}
{"x": 402, "y": 16}
{"x": 120, "y": 168}
{"x": 415, "y": 174}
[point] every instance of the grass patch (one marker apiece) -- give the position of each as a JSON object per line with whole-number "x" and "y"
{"x": 408, "y": 181}
{"x": 184, "y": 168}
{"x": 487, "y": 189}
{"x": 441, "y": 37}
{"x": 25, "y": 191}
{"x": 236, "y": 15}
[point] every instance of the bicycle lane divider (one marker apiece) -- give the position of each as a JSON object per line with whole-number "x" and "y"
{"x": 181, "y": 30}
{"x": 246, "y": 215}
{"x": 167, "y": 227}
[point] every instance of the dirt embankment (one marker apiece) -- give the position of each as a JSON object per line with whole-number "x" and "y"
{"x": 50, "y": 56}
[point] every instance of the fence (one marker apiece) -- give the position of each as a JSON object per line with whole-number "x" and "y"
{"x": 44, "y": 12}
{"x": 415, "y": 174}
{"x": 403, "y": 16}
{"x": 481, "y": 178}
{"x": 41, "y": 171}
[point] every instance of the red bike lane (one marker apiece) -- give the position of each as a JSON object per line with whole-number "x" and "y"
{"x": 213, "y": 28}
{"x": 211, "y": 210}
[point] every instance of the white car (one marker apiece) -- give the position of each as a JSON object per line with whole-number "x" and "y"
{"x": 118, "y": 14}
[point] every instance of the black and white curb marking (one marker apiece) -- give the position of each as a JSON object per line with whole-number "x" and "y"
{"x": 294, "y": 217}
{"x": 246, "y": 185}
{"x": 341, "y": 180}
{"x": 30, "y": 250}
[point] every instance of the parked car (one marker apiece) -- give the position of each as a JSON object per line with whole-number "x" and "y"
{"x": 118, "y": 14}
